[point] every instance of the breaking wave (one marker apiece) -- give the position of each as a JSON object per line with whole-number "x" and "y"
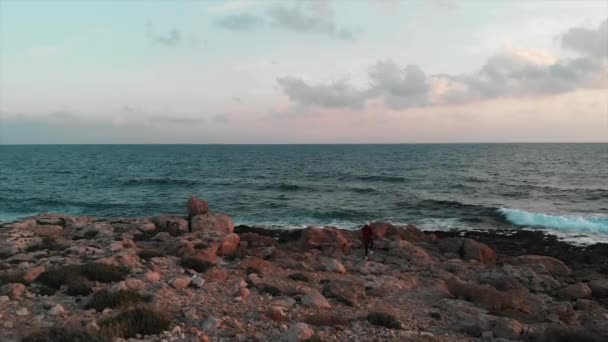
{"x": 572, "y": 223}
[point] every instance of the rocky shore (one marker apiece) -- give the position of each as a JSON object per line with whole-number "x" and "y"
{"x": 199, "y": 278}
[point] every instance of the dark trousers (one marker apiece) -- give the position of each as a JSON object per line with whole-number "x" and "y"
{"x": 369, "y": 245}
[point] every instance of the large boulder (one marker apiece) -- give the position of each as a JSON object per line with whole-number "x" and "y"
{"x": 345, "y": 291}
{"x": 314, "y": 299}
{"x": 543, "y": 264}
{"x": 413, "y": 254}
{"x": 468, "y": 249}
{"x": 574, "y": 292}
{"x": 599, "y": 287}
{"x": 385, "y": 230}
{"x": 313, "y": 237}
{"x": 217, "y": 223}
{"x": 197, "y": 206}
{"x": 297, "y": 333}
{"x": 171, "y": 224}
{"x": 485, "y": 295}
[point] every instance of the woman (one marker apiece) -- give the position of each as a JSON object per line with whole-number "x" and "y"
{"x": 368, "y": 239}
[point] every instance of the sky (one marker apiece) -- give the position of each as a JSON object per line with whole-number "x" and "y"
{"x": 324, "y": 71}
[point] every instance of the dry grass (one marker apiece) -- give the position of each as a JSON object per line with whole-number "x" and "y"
{"x": 137, "y": 320}
{"x": 77, "y": 277}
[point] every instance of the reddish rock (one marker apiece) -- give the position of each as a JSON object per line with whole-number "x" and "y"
{"x": 485, "y": 295}
{"x": 180, "y": 282}
{"x": 385, "y": 230}
{"x": 468, "y": 249}
{"x": 254, "y": 265}
{"x": 297, "y": 333}
{"x": 313, "y": 237}
{"x": 32, "y": 274}
{"x": 215, "y": 275}
{"x": 345, "y": 291}
{"x": 216, "y": 223}
{"x": 314, "y": 299}
{"x": 13, "y": 291}
{"x": 547, "y": 264}
{"x": 197, "y": 206}
{"x": 173, "y": 225}
{"x": 413, "y": 254}
{"x": 276, "y": 314}
{"x": 257, "y": 240}
{"x": 229, "y": 245}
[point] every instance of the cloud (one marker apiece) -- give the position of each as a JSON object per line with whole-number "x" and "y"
{"x": 334, "y": 95}
{"x": 240, "y": 22}
{"x": 299, "y": 20}
{"x": 513, "y": 73}
{"x": 591, "y": 42}
{"x": 171, "y": 38}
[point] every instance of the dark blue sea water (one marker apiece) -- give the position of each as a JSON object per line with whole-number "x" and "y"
{"x": 560, "y": 187}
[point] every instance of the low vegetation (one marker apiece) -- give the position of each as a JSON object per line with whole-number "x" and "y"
{"x": 77, "y": 277}
{"x": 149, "y": 253}
{"x": 106, "y": 299}
{"x": 196, "y": 264}
{"x": 8, "y": 277}
{"x": 383, "y": 320}
{"x": 136, "y": 320}
{"x": 63, "y": 335}
{"x": 299, "y": 277}
{"x": 326, "y": 319}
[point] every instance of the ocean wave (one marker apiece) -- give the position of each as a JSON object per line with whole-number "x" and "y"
{"x": 363, "y": 190}
{"x": 284, "y": 187}
{"x": 595, "y": 224}
{"x": 374, "y": 178}
{"x": 158, "y": 181}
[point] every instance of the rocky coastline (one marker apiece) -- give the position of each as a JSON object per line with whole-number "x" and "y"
{"x": 200, "y": 278}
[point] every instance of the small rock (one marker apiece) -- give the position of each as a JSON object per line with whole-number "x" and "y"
{"x": 180, "y": 282}
{"x": 285, "y": 302}
{"x": 57, "y": 310}
{"x": 333, "y": 265}
{"x": 4, "y": 299}
{"x": 244, "y": 293}
{"x": 9, "y": 325}
{"x": 14, "y": 291}
{"x": 211, "y": 323}
{"x": 298, "y": 332}
{"x": 507, "y": 328}
{"x": 314, "y": 299}
{"x": 32, "y": 274}
{"x": 197, "y": 282}
{"x": 152, "y": 276}
{"x": 22, "y": 312}
{"x": 276, "y": 313}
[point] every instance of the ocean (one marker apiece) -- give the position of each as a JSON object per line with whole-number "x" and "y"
{"x": 561, "y": 188}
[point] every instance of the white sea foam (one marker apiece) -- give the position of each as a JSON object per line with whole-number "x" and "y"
{"x": 582, "y": 224}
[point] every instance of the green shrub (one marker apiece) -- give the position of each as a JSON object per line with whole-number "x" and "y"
{"x": 299, "y": 277}
{"x": 196, "y": 264}
{"x": 106, "y": 299}
{"x": 137, "y": 320}
{"x": 383, "y": 320}
{"x": 63, "y": 335}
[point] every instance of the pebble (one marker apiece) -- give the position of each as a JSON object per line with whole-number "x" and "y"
{"x": 197, "y": 282}
{"x": 8, "y": 325}
{"x": 22, "y": 312}
{"x": 57, "y": 310}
